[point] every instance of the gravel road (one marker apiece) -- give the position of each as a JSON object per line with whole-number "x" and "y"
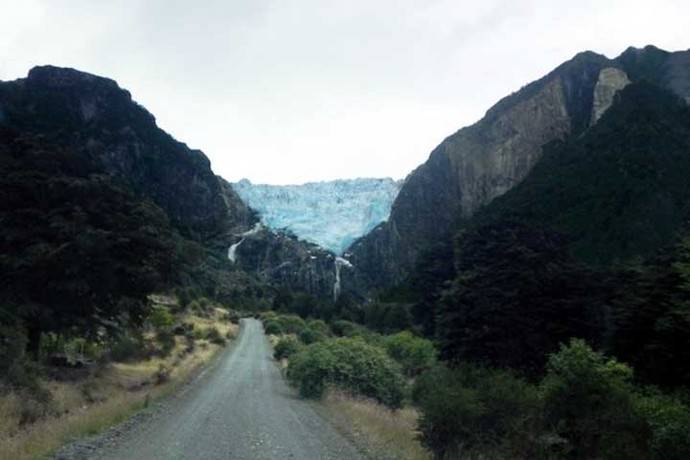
{"x": 240, "y": 409}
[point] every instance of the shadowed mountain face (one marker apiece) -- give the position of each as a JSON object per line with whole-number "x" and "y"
{"x": 61, "y": 127}
{"x": 478, "y": 163}
{"x": 96, "y": 119}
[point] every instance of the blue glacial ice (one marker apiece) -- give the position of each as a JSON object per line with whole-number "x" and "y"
{"x": 331, "y": 214}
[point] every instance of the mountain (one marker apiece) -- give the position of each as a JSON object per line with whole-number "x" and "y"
{"x": 86, "y": 169}
{"x": 620, "y": 191}
{"x": 330, "y": 214}
{"x": 100, "y": 207}
{"x": 483, "y": 161}
{"x": 97, "y": 120}
{"x": 593, "y": 243}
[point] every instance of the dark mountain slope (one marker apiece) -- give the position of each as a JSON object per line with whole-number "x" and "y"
{"x": 99, "y": 207}
{"x": 543, "y": 262}
{"x": 477, "y": 164}
{"x": 93, "y": 129}
{"x": 621, "y": 190}
{"x": 93, "y": 117}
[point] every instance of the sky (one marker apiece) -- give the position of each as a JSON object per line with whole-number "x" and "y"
{"x": 290, "y": 91}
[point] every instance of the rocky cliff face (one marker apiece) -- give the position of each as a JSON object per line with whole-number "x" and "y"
{"x": 611, "y": 80}
{"x": 93, "y": 116}
{"x": 473, "y": 166}
{"x": 483, "y": 161}
{"x": 282, "y": 260}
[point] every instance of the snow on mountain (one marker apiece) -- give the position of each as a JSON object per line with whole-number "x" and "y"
{"x": 331, "y": 214}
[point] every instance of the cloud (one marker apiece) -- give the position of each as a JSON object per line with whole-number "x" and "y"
{"x": 284, "y": 92}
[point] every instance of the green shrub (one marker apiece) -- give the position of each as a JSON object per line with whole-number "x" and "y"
{"x": 160, "y": 318}
{"x": 127, "y": 348}
{"x": 589, "y": 399}
{"x": 267, "y": 315}
{"x": 273, "y": 327}
{"x": 184, "y": 297}
{"x": 234, "y": 317}
{"x": 320, "y": 326}
{"x": 291, "y": 324}
{"x": 470, "y": 409}
{"x": 668, "y": 420}
{"x": 166, "y": 340}
{"x": 345, "y": 328}
{"x": 195, "y": 306}
{"x": 17, "y": 371}
{"x": 286, "y": 347}
{"x": 213, "y": 335}
{"x": 349, "y": 364}
{"x": 415, "y": 354}
{"x": 309, "y": 336}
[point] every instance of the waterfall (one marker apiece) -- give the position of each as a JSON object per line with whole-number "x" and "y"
{"x": 339, "y": 263}
{"x": 232, "y": 250}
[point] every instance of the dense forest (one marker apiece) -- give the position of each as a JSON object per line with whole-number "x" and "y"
{"x": 553, "y": 323}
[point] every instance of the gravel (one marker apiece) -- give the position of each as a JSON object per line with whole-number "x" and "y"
{"x": 240, "y": 408}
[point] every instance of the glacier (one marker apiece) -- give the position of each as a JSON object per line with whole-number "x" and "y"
{"x": 331, "y": 214}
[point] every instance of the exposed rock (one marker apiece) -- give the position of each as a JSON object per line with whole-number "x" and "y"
{"x": 475, "y": 165}
{"x": 282, "y": 260}
{"x": 611, "y": 80}
{"x": 95, "y": 117}
{"x": 478, "y": 163}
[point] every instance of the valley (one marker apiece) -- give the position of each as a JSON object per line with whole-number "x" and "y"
{"x": 523, "y": 293}
{"x": 239, "y": 408}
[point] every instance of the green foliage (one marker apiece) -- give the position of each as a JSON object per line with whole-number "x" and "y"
{"x": 345, "y": 328}
{"x": 291, "y": 324}
{"x": 127, "y": 347}
{"x": 161, "y": 318}
{"x": 387, "y": 317}
{"x": 668, "y": 420}
{"x": 517, "y": 295}
{"x": 80, "y": 251}
{"x": 16, "y": 370}
{"x": 166, "y": 340}
{"x": 314, "y": 331}
{"x": 589, "y": 400}
{"x": 319, "y": 326}
{"x": 474, "y": 410}
{"x": 286, "y": 347}
{"x": 620, "y": 190}
{"x": 309, "y": 336}
{"x": 273, "y": 327}
{"x": 185, "y": 296}
{"x": 652, "y": 317}
{"x": 586, "y": 406}
{"x": 213, "y": 335}
{"x": 415, "y": 354}
{"x": 349, "y": 364}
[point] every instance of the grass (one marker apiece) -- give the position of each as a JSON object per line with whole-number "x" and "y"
{"x": 388, "y": 434}
{"x": 105, "y": 398}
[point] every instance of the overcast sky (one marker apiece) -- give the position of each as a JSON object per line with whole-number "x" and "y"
{"x": 282, "y": 91}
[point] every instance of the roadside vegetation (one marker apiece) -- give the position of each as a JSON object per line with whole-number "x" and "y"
{"x": 80, "y": 385}
{"x": 403, "y": 402}
{"x": 363, "y": 377}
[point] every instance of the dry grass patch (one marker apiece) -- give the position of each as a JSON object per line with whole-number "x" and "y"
{"x": 390, "y": 434}
{"x": 105, "y": 398}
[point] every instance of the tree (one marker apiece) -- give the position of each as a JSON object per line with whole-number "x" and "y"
{"x": 589, "y": 400}
{"x": 78, "y": 251}
{"x": 518, "y": 294}
{"x": 652, "y": 317}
